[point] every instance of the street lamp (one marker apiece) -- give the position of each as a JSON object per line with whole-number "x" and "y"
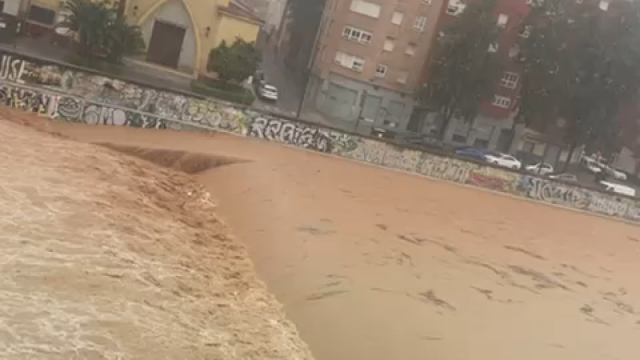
{"x": 363, "y": 97}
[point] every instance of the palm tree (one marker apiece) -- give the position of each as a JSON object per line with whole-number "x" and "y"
{"x": 101, "y": 33}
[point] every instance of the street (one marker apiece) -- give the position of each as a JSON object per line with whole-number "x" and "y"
{"x": 289, "y": 89}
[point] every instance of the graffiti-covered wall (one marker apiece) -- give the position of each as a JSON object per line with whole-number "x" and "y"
{"x": 62, "y": 93}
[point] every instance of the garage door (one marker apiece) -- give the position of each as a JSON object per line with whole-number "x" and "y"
{"x": 340, "y": 102}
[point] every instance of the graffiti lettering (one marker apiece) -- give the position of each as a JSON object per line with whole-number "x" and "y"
{"x": 447, "y": 169}
{"x": 105, "y": 115}
{"x": 487, "y": 182}
{"x": 63, "y": 93}
{"x": 11, "y": 68}
{"x": 27, "y": 100}
{"x": 69, "y": 108}
{"x": 553, "y": 192}
{"x": 606, "y": 205}
{"x": 283, "y": 131}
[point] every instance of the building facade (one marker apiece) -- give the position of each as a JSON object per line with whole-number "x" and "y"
{"x": 368, "y": 58}
{"x": 491, "y": 129}
{"x": 178, "y": 33}
{"x": 275, "y": 14}
{"x": 9, "y": 11}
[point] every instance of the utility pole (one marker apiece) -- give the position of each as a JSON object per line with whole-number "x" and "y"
{"x": 363, "y": 98}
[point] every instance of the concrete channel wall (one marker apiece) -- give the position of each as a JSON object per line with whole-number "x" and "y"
{"x": 60, "y": 92}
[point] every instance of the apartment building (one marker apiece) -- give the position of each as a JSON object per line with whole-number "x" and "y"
{"x": 368, "y": 59}
{"x": 274, "y": 15}
{"x": 9, "y": 10}
{"x": 491, "y": 127}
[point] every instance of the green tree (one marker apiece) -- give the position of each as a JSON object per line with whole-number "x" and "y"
{"x": 580, "y": 63}
{"x": 101, "y": 32}
{"x": 465, "y": 67}
{"x": 234, "y": 63}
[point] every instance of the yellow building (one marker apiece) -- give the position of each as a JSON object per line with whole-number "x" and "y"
{"x": 179, "y": 33}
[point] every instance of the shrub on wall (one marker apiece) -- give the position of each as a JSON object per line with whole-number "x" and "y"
{"x": 234, "y": 63}
{"x": 102, "y": 34}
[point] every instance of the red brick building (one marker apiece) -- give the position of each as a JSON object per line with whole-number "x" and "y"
{"x": 495, "y": 114}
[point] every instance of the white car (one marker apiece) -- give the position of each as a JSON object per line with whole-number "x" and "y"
{"x": 618, "y": 188}
{"x": 504, "y": 160}
{"x": 268, "y": 92}
{"x": 564, "y": 177}
{"x": 540, "y": 168}
{"x": 616, "y": 174}
{"x": 591, "y": 165}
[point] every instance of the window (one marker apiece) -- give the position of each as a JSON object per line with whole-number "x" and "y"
{"x": 526, "y": 31}
{"x": 381, "y": 70}
{"x": 389, "y": 44}
{"x": 411, "y": 49}
{"x": 357, "y": 35}
{"x": 501, "y": 101}
{"x": 459, "y": 138}
{"x": 604, "y": 5}
{"x": 358, "y": 63}
{"x": 509, "y": 80}
{"x": 493, "y": 47}
{"x": 503, "y": 20}
{"x": 365, "y": 8}
{"x": 514, "y": 51}
{"x": 41, "y": 15}
{"x": 394, "y": 113}
{"x": 397, "y": 18}
{"x": 419, "y": 23}
{"x": 528, "y": 146}
{"x": 352, "y": 62}
{"x": 479, "y": 143}
{"x": 402, "y": 77}
{"x": 455, "y": 7}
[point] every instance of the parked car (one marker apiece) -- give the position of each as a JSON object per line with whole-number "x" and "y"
{"x": 591, "y": 165}
{"x": 473, "y": 153}
{"x": 540, "y": 168}
{"x": 424, "y": 141}
{"x": 268, "y": 92}
{"x": 504, "y": 160}
{"x": 564, "y": 177}
{"x": 615, "y": 173}
{"x": 618, "y": 188}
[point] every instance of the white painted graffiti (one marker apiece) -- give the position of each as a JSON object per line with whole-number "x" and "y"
{"x": 553, "y": 192}
{"x": 287, "y": 132}
{"x": 100, "y": 100}
{"x": 69, "y": 108}
{"x": 104, "y": 115}
{"x": 11, "y": 68}
{"x": 608, "y": 205}
{"x": 447, "y": 168}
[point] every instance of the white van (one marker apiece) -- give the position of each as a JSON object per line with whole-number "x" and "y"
{"x": 618, "y": 188}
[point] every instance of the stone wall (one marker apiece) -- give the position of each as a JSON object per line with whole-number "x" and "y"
{"x": 59, "y": 92}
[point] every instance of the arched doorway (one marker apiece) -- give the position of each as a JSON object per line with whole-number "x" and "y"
{"x": 169, "y": 33}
